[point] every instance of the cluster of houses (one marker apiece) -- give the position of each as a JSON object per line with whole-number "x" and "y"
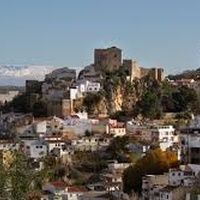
{"x": 65, "y": 132}
{"x": 191, "y": 83}
{"x": 61, "y": 137}
{"x": 176, "y": 184}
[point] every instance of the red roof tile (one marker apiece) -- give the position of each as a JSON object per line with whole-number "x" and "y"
{"x": 58, "y": 184}
{"x": 75, "y": 189}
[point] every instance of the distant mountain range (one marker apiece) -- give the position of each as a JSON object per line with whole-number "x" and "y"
{"x": 189, "y": 74}
{"x": 17, "y": 75}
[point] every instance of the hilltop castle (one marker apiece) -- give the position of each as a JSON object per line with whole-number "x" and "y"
{"x": 110, "y": 59}
{"x": 62, "y": 91}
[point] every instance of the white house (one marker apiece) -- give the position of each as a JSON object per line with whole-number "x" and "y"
{"x": 37, "y": 150}
{"x": 93, "y": 87}
{"x": 118, "y": 166}
{"x": 86, "y": 144}
{"x": 73, "y": 93}
{"x": 73, "y": 192}
{"x": 190, "y": 145}
{"x": 55, "y": 188}
{"x": 90, "y": 143}
{"x": 7, "y": 145}
{"x": 54, "y": 142}
{"x": 76, "y": 125}
{"x": 151, "y": 184}
{"x": 161, "y": 135}
{"x": 172, "y": 192}
{"x": 27, "y": 130}
{"x": 41, "y": 127}
{"x": 164, "y": 135}
{"x": 82, "y": 115}
{"x": 85, "y": 86}
{"x": 66, "y": 155}
{"x": 179, "y": 177}
{"x": 112, "y": 182}
{"x": 25, "y": 144}
{"x": 115, "y": 130}
{"x": 63, "y": 192}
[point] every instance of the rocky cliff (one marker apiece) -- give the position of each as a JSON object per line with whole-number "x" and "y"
{"x": 112, "y": 98}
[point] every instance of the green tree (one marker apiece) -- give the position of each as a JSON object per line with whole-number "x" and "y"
{"x": 40, "y": 109}
{"x": 89, "y": 161}
{"x": 118, "y": 148}
{"x": 20, "y": 103}
{"x": 91, "y": 100}
{"x": 3, "y": 182}
{"x": 20, "y": 177}
{"x": 149, "y": 105}
{"x": 185, "y": 99}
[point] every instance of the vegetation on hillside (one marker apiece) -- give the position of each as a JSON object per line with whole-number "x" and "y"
{"x": 121, "y": 98}
{"x": 17, "y": 181}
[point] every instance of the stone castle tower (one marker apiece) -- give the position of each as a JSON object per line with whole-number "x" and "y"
{"x": 109, "y": 59}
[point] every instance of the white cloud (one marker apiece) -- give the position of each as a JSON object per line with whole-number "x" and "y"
{"x": 17, "y": 75}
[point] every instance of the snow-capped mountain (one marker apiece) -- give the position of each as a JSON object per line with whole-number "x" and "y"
{"x": 17, "y": 75}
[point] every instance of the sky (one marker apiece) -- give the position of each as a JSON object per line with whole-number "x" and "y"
{"x": 64, "y": 33}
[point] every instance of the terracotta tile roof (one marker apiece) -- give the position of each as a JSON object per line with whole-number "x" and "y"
{"x": 74, "y": 189}
{"x": 58, "y": 184}
{"x": 69, "y": 136}
{"x": 54, "y": 141}
{"x": 75, "y": 116}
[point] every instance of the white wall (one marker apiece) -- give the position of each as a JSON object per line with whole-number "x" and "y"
{"x": 38, "y": 151}
{"x": 41, "y": 127}
{"x": 73, "y": 93}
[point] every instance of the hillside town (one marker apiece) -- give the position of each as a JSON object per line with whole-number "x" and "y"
{"x": 80, "y": 137}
